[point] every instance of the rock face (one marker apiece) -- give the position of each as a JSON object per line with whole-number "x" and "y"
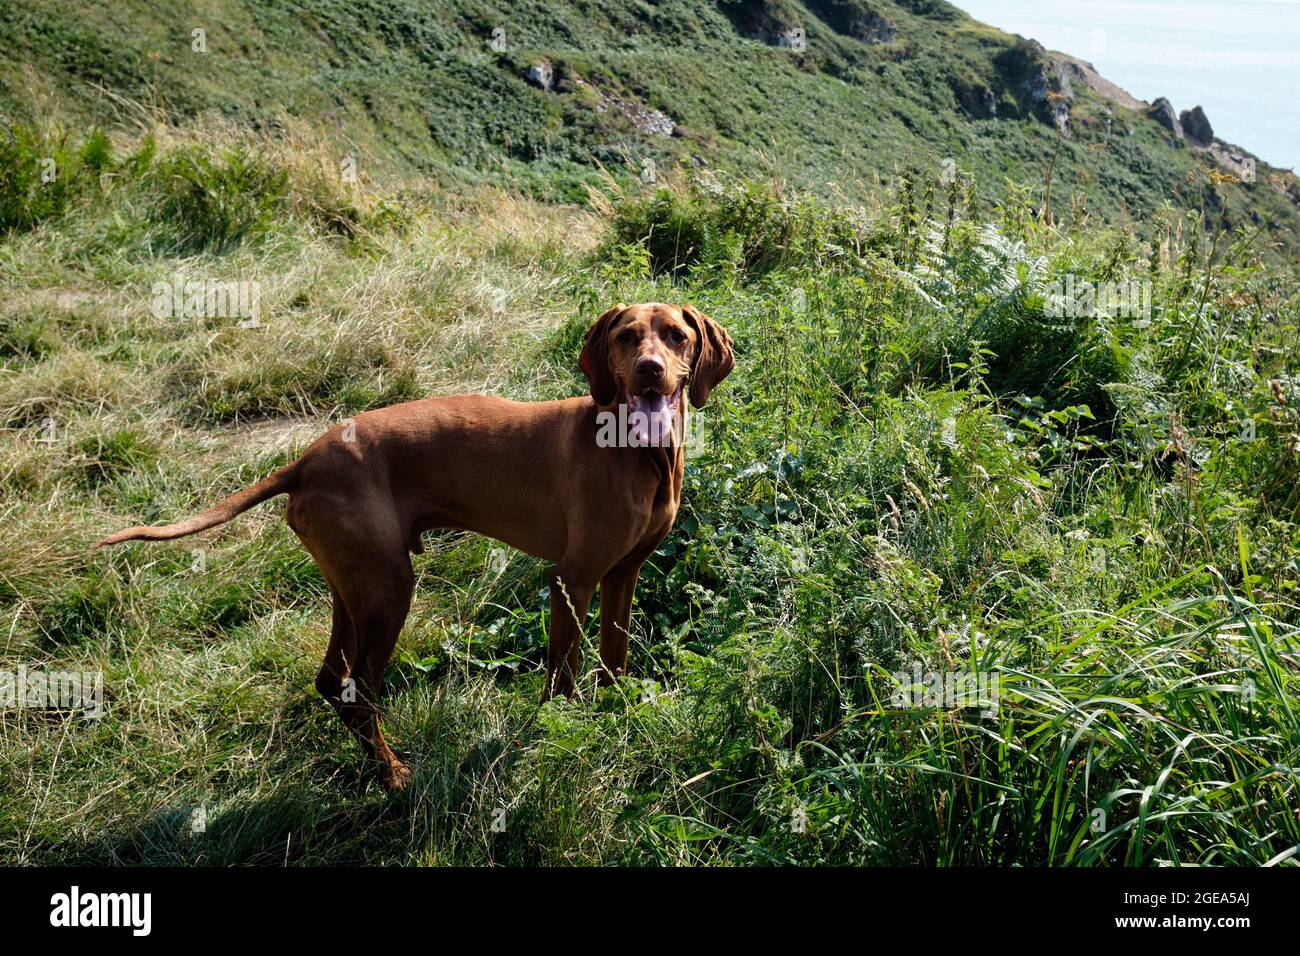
{"x": 1087, "y": 74}
{"x": 873, "y": 28}
{"x": 1036, "y": 86}
{"x": 1063, "y": 85}
{"x": 789, "y": 38}
{"x": 644, "y": 118}
{"x": 1052, "y": 103}
{"x": 1196, "y": 127}
{"x": 774, "y": 22}
{"x": 1234, "y": 160}
{"x": 1062, "y": 99}
{"x": 1061, "y": 117}
{"x": 853, "y": 18}
{"x": 650, "y": 121}
{"x": 540, "y": 75}
{"x": 1041, "y": 86}
{"x": 1163, "y": 113}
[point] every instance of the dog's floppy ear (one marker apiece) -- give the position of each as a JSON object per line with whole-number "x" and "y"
{"x": 713, "y": 360}
{"x": 594, "y": 360}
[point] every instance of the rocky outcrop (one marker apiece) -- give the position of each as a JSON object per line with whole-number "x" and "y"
{"x": 1041, "y": 85}
{"x": 1162, "y": 111}
{"x": 1086, "y": 74}
{"x": 873, "y": 28}
{"x": 1061, "y": 99}
{"x": 647, "y": 120}
{"x": 1037, "y": 87}
{"x": 1233, "y": 159}
{"x": 1053, "y": 95}
{"x": 1191, "y": 127}
{"x": 853, "y": 18}
{"x": 540, "y": 75}
{"x": 1196, "y": 127}
{"x": 774, "y": 22}
{"x": 976, "y": 100}
{"x": 789, "y": 38}
{"x": 1061, "y": 117}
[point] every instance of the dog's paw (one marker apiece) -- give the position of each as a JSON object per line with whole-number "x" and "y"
{"x": 394, "y": 776}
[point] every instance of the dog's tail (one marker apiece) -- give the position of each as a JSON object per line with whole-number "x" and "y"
{"x": 278, "y": 483}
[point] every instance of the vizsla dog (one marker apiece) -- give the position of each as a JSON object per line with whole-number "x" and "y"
{"x": 542, "y": 477}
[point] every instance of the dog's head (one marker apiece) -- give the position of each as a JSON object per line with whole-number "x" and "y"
{"x": 648, "y": 355}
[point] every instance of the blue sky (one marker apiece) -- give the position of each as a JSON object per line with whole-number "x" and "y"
{"x": 1239, "y": 59}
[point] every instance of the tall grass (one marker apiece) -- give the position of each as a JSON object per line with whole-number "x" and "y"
{"x": 917, "y": 465}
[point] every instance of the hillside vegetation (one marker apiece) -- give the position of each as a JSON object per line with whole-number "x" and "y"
{"x": 876, "y": 88}
{"x": 932, "y": 457}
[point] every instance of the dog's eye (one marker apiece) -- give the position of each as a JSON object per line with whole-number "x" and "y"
{"x": 677, "y": 336}
{"x": 627, "y": 337}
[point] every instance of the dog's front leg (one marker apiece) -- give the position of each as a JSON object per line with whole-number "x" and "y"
{"x": 571, "y": 593}
{"x": 617, "y": 589}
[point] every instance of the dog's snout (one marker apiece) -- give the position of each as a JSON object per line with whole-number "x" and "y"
{"x": 649, "y": 368}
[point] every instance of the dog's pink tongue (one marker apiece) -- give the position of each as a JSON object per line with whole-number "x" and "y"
{"x": 658, "y": 420}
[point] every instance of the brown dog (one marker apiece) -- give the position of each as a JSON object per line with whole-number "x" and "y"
{"x": 542, "y": 477}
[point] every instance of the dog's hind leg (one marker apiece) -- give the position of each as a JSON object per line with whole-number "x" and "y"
{"x": 334, "y": 680}
{"x": 377, "y": 606}
{"x": 371, "y": 580}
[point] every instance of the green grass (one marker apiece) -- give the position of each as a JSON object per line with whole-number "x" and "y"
{"x": 414, "y": 87}
{"x": 914, "y": 463}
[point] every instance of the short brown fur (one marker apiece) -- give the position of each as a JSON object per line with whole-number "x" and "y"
{"x": 529, "y": 474}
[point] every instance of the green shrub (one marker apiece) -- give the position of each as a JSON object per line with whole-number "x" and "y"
{"x": 42, "y": 174}
{"x": 751, "y": 226}
{"x": 212, "y": 202}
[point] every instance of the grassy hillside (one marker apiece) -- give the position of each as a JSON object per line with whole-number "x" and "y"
{"x": 879, "y": 88}
{"x": 923, "y": 464}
